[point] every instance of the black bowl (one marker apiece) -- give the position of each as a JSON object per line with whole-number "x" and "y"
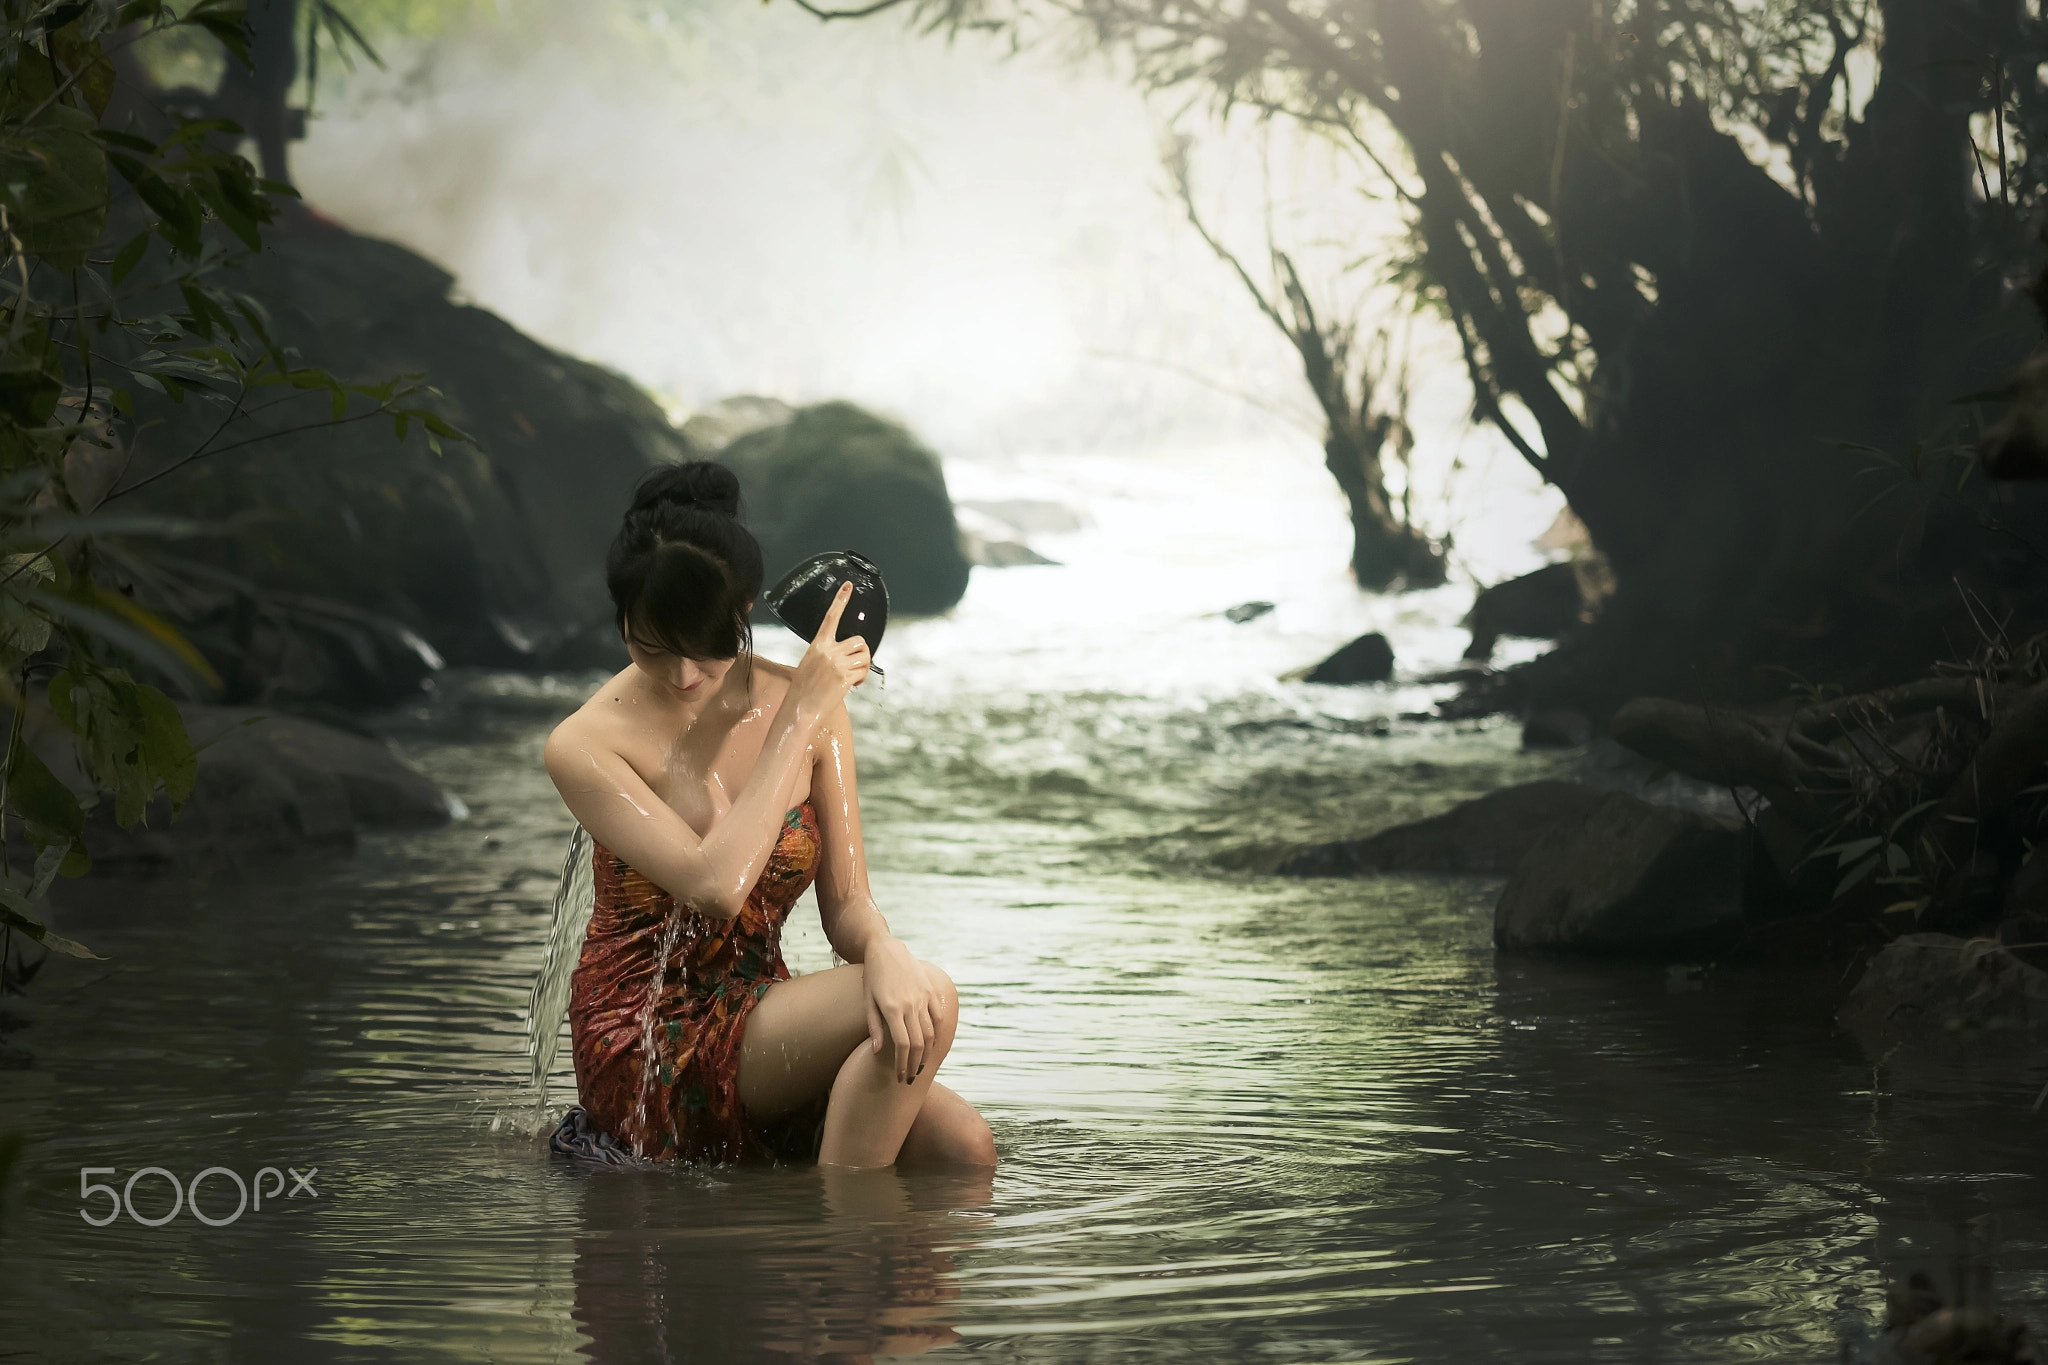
{"x": 801, "y": 599}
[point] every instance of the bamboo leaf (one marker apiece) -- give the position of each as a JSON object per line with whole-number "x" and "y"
{"x": 130, "y": 256}
{"x": 16, "y": 912}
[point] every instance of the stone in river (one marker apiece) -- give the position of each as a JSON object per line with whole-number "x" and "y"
{"x": 1560, "y": 728}
{"x": 835, "y": 477}
{"x": 1626, "y": 877}
{"x": 1368, "y": 659}
{"x": 1488, "y": 836}
{"x": 268, "y": 784}
{"x": 1941, "y": 991}
{"x": 1542, "y": 605}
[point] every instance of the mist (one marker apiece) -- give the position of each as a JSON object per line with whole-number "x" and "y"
{"x": 984, "y": 245}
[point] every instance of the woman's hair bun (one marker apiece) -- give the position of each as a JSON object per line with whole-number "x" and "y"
{"x": 693, "y": 483}
{"x": 683, "y": 570}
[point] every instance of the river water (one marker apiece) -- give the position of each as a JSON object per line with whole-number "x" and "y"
{"x": 1241, "y": 1118}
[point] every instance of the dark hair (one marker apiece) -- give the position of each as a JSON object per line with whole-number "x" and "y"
{"x": 682, "y": 570}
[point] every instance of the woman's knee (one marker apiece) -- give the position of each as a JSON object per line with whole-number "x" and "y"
{"x": 972, "y": 1141}
{"x": 946, "y": 1010}
{"x": 954, "y": 1135}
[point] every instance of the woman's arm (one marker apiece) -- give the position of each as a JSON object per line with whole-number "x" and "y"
{"x": 709, "y": 873}
{"x": 902, "y": 1004}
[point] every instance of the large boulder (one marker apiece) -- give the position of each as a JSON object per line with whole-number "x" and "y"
{"x": 1541, "y": 605}
{"x": 268, "y": 784}
{"x": 1626, "y": 877}
{"x": 347, "y": 549}
{"x": 1491, "y": 835}
{"x": 835, "y": 477}
{"x": 1938, "y": 990}
{"x": 1368, "y": 659}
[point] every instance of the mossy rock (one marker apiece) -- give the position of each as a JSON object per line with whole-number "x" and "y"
{"x": 836, "y": 477}
{"x": 491, "y": 553}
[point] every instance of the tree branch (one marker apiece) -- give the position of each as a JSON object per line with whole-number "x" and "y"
{"x": 863, "y": 12}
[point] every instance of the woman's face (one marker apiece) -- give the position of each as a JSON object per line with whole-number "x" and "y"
{"x": 683, "y": 677}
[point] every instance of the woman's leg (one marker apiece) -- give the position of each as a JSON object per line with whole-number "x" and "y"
{"x": 810, "y": 1035}
{"x": 948, "y": 1131}
{"x": 798, "y": 1037}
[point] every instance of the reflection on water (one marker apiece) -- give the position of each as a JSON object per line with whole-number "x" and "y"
{"x": 1240, "y": 1118}
{"x": 870, "y": 1254}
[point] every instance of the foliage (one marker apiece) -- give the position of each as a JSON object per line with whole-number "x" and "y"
{"x": 89, "y": 325}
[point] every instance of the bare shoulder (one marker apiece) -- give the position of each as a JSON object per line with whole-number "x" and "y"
{"x": 770, "y": 682}
{"x": 599, "y": 722}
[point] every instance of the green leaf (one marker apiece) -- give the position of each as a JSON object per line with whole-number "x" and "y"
{"x": 35, "y": 794}
{"x": 61, "y": 207}
{"x": 130, "y": 256}
{"x": 22, "y": 631}
{"x": 440, "y": 426}
{"x": 1856, "y": 874}
{"x": 167, "y": 747}
{"x": 81, "y": 56}
{"x": 31, "y": 378}
{"x": 47, "y": 862}
{"x": 113, "y": 137}
{"x": 94, "y": 611}
{"x": 232, "y": 33}
{"x": 17, "y": 912}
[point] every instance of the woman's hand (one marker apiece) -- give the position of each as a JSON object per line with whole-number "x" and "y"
{"x": 903, "y": 1006}
{"x": 830, "y": 668}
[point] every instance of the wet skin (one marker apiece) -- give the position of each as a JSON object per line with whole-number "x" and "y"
{"x": 685, "y": 768}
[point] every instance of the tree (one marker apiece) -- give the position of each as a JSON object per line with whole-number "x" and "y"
{"x": 1707, "y": 280}
{"x": 1365, "y": 413}
{"x": 89, "y": 330}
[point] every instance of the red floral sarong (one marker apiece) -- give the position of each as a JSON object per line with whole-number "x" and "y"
{"x": 665, "y": 1084}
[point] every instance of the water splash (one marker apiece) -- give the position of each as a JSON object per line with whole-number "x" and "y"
{"x": 548, "y": 1001}
{"x": 650, "y": 1017}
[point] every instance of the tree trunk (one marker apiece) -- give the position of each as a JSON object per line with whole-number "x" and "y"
{"x": 1385, "y": 550}
{"x": 259, "y": 96}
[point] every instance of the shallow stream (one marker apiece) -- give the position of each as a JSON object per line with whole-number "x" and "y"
{"x": 1241, "y": 1118}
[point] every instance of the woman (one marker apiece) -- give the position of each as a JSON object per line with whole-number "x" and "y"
{"x": 716, "y": 785}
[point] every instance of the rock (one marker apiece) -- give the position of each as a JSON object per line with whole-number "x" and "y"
{"x": 1368, "y": 659}
{"x": 710, "y": 430}
{"x": 1247, "y": 611}
{"x": 299, "y": 650}
{"x": 990, "y": 544}
{"x": 1939, "y": 989}
{"x": 1541, "y": 605}
{"x": 1922, "y": 1329}
{"x": 1030, "y": 516}
{"x": 1000, "y": 554}
{"x": 1556, "y": 729}
{"x": 268, "y": 784}
{"x": 2025, "y": 936}
{"x": 1625, "y": 876}
{"x": 1488, "y": 836}
{"x": 834, "y": 477}
{"x": 491, "y": 554}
